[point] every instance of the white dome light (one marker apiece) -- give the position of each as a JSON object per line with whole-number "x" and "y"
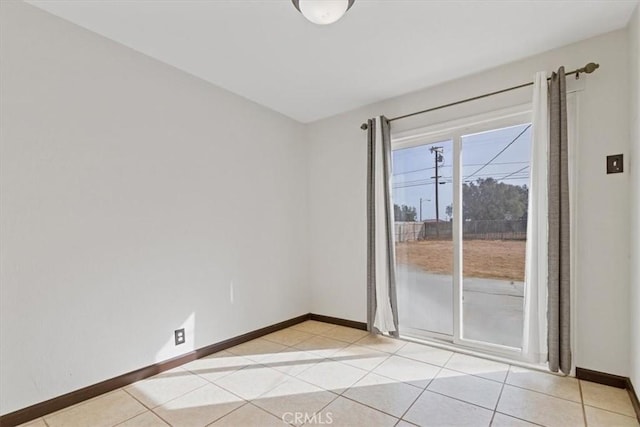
{"x": 323, "y": 12}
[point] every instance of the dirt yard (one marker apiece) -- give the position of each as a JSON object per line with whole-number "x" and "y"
{"x": 493, "y": 259}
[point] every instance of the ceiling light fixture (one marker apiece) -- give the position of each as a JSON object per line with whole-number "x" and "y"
{"x": 323, "y": 12}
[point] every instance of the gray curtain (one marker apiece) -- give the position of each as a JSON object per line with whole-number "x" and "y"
{"x": 371, "y": 224}
{"x": 559, "y": 314}
{"x": 372, "y": 146}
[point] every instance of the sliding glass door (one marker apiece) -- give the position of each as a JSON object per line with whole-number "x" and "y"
{"x": 460, "y": 199}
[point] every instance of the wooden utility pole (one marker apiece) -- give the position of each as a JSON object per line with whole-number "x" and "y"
{"x": 437, "y": 157}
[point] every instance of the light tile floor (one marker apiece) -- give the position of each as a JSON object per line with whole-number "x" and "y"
{"x": 320, "y": 374}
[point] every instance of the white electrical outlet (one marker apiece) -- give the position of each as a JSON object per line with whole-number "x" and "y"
{"x": 179, "y": 336}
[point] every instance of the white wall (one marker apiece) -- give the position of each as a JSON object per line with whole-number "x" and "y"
{"x": 337, "y": 162}
{"x": 633, "y": 165}
{"x": 133, "y": 195}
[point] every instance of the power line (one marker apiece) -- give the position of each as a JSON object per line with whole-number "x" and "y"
{"x": 501, "y": 151}
{"x": 451, "y": 182}
{"x": 420, "y": 180}
{"x": 515, "y": 178}
{"x": 513, "y": 173}
{"x": 449, "y": 166}
{"x": 450, "y": 178}
{"x": 415, "y": 170}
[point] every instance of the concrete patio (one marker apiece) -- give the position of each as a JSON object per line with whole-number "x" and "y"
{"x": 492, "y": 308}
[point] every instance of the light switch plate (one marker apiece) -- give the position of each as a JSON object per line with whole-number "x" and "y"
{"x": 614, "y": 163}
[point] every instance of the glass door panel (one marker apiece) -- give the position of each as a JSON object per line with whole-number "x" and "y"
{"x": 422, "y": 197}
{"x": 495, "y": 176}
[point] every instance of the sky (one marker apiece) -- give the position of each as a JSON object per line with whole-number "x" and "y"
{"x": 482, "y": 157}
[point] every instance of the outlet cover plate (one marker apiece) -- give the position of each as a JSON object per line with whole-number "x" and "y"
{"x": 614, "y": 163}
{"x": 179, "y": 336}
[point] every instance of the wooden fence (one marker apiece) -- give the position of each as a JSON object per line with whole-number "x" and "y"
{"x": 472, "y": 230}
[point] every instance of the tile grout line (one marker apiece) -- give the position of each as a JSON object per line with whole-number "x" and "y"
{"x": 451, "y": 397}
{"x": 146, "y": 409}
{"x": 370, "y": 371}
{"x": 367, "y": 372}
{"x": 366, "y": 404}
{"x": 374, "y": 368}
{"x": 332, "y": 391}
{"x": 311, "y": 332}
{"x": 343, "y": 340}
{"x": 223, "y": 376}
{"x": 609, "y": 411}
{"x": 152, "y": 411}
{"x": 584, "y": 412}
{"x": 130, "y": 418}
{"x": 417, "y": 398}
{"x": 499, "y": 396}
{"x": 460, "y": 400}
{"x": 335, "y": 396}
{"x": 170, "y": 400}
{"x": 404, "y": 382}
{"x": 246, "y": 402}
{"x": 434, "y": 343}
{"x": 534, "y": 391}
{"x": 543, "y": 393}
{"x": 84, "y": 402}
{"x": 250, "y": 402}
{"x": 290, "y": 345}
{"x": 325, "y": 406}
{"x": 260, "y": 395}
{"x": 425, "y": 388}
{"x": 521, "y": 419}
{"x": 311, "y": 365}
{"x": 325, "y": 359}
{"x": 328, "y": 358}
{"x": 474, "y": 375}
{"x": 79, "y": 404}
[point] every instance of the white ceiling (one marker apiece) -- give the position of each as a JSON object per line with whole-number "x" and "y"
{"x": 266, "y": 51}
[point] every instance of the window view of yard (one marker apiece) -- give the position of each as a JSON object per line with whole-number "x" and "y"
{"x": 491, "y": 259}
{"x": 494, "y": 187}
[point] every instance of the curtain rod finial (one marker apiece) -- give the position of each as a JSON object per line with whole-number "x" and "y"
{"x": 591, "y": 67}
{"x": 364, "y": 126}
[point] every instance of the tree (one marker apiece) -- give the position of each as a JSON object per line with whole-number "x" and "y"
{"x": 404, "y": 213}
{"x": 488, "y": 199}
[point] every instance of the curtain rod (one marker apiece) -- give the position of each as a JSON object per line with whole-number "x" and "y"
{"x": 588, "y": 69}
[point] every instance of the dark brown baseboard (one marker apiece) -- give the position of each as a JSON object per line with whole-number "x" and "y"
{"x": 613, "y": 381}
{"x": 601, "y": 378}
{"x": 43, "y": 408}
{"x": 338, "y": 321}
{"x": 634, "y": 398}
